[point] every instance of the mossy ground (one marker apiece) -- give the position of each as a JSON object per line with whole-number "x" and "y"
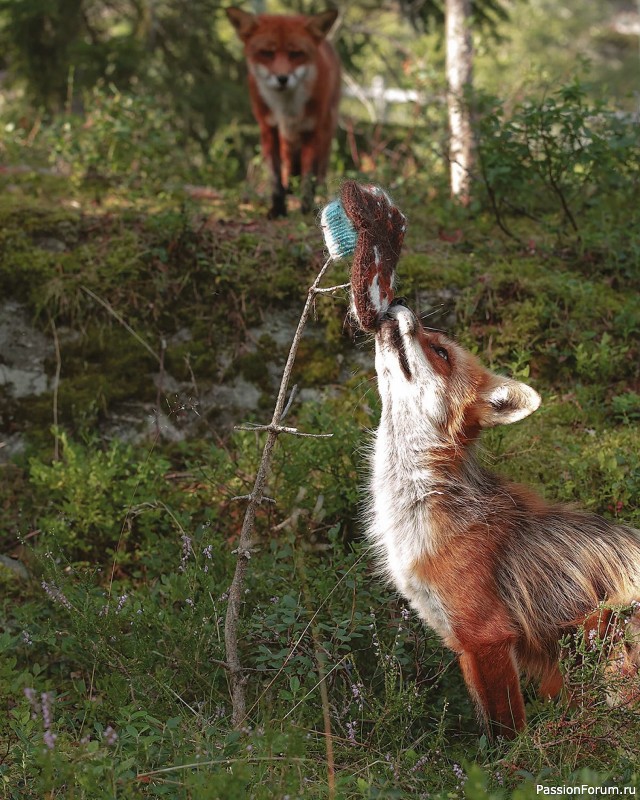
{"x": 138, "y": 539}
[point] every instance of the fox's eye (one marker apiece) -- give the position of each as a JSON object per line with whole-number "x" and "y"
{"x": 440, "y": 351}
{"x": 266, "y": 54}
{"x": 295, "y": 54}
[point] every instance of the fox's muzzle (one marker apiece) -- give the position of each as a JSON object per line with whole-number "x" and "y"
{"x": 389, "y": 313}
{"x": 389, "y": 330}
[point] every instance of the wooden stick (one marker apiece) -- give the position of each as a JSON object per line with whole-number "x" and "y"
{"x": 56, "y": 389}
{"x": 237, "y": 677}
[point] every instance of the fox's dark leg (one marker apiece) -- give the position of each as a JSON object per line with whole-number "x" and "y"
{"x": 270, "y": 142}
{"x": 492, "y": 679}
{"x": 309, "y": 167}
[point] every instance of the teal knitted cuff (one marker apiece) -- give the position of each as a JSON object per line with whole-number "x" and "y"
{"x": 339, "y": 234}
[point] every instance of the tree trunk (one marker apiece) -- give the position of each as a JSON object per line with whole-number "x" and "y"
{"x": 459, "y": 77}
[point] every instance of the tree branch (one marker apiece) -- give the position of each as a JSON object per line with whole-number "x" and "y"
{"x": 237, "y": 676}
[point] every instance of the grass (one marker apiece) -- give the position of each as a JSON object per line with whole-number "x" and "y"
{"x": 119, "y": 628}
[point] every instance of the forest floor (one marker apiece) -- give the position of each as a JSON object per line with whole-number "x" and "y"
{"x": 134, "y": 334}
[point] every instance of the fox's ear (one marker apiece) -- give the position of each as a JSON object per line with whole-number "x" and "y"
{"x": 319, "y": 25}
{"x": 242, "y": 21}
{"x": 507, "y": 401}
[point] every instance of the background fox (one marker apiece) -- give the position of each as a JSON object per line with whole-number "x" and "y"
{"x": 497, "y": 572}
{"x": 294, "y": 82}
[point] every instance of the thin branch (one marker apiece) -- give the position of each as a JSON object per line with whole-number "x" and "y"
{"x": 56, "y": 388}
{"x": 163, "y": 352}
{"x": 237, "y": 676}
{"x": 278, "y": 429}
{"x": 124, "y": 324}
{"x": 322, "y": 675}
{"x": 493, "y": 200}
{"x": 332, "y": 289}
{"x": 555, "y": 185}
{"x": 225, "y": 762}
{"x": 263, "y": 499}
{"x": 336, "y": 666}
{"x": 292, "y": 397}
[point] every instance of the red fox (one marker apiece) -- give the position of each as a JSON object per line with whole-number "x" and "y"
{"x": 497, "y": 572}
{"x": 294, "y": 82}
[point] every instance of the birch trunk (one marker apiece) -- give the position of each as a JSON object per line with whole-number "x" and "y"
{"x": 459, "y": 77}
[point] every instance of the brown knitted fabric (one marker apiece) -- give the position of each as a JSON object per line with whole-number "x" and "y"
{"x": 380, "y": 227}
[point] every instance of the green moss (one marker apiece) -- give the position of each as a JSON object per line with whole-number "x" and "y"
{"x": 198, "y": 357}
{"x": 441, "y": 267}
{"x": 315, "y": 364}
{"x": 37, "y": 215}
{"x": 574, "y": 453}
{"x": 567, "y": 325}
{"x": 253, "y": 367}
{"x": 98, "y": 372}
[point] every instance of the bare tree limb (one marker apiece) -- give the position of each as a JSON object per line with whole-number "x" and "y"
{"x": 56, "y": 389}
{"x": 237, "y": 674}
{"x": 281, "y": 429}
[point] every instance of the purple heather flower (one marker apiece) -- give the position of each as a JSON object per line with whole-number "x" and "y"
{"x": 50, "y": 739}
{"x": 46, "y": 698}
{"x": 351, "y": 732}
{"x": 356, "y": 691}
{"x": 420, "y": 763}
{"x": 30, "y": 694}
{"x": 187, "y": 550}
{"x": 460, "y": 775}
{"x": 56, "y": 595}
{"x": 110, "y": 736}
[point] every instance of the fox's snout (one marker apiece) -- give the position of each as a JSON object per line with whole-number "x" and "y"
{"x": 398, "y": 328}
{"x": 399, "y": 313}
{"x": 281, "y": 79}
{"x": 391, "y": 312}
{"x": 400, "y": 317}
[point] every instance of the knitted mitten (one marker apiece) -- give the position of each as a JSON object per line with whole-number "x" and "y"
{"x": 365, "y": 222}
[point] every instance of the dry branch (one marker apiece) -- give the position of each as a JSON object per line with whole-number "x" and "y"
{"x": 56, "y": 389}
{"x": 237, "y": 677}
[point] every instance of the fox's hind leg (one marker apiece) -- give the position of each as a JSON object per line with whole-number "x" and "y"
{"x": 552, "y": 683}
{"x": 492, "y": 679}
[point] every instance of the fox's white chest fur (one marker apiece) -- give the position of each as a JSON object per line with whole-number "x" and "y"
{"x": 426, "y": 383}
{"x": 399, "y": 525}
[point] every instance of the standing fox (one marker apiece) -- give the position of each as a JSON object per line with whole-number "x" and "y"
{"x": 497, "y": 572}
{"x": 294, "y": 82}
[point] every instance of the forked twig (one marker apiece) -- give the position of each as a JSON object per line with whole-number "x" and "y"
{"x": 237, "y": 677}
